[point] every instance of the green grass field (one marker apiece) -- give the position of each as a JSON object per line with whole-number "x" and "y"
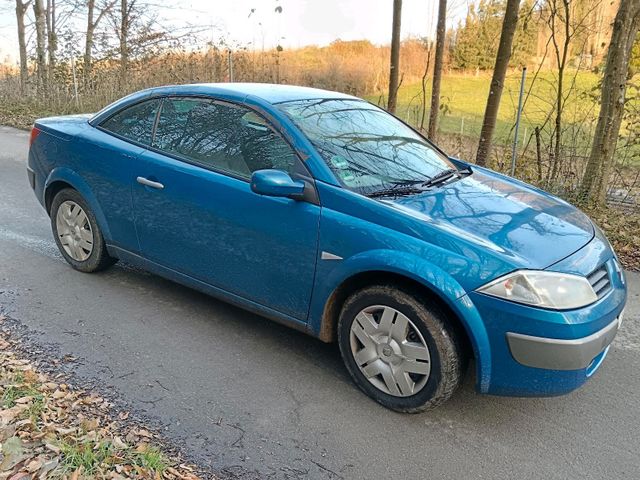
{"x": 464, "y": 97}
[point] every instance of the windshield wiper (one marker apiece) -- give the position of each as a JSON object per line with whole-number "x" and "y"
{"x": 400, "y": 187}
{"x": 445, "y": 175}
{"x": 412, "y": 187}
{"x": 441, "y": 177}
{"x": 397, "y": 191}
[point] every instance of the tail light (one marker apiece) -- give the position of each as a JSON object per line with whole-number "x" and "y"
{"x": 34, "y": 134}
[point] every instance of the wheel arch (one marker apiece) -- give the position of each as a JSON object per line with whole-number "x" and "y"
{"x": 358, "y": 281}
{"x": 52, "y": 190}
{"x": 61, "y": 178}
{"x": 429, "y": 282}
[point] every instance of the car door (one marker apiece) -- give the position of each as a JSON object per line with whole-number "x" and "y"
{"x": 196, "y": 213}
{"x": 108, "y": 157}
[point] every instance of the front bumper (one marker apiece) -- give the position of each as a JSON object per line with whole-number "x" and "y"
{"x": 560, "y": 354}
{"x": 529, "y": 351}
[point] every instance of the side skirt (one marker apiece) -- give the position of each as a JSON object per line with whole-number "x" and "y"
{"x": 203, "y": 287}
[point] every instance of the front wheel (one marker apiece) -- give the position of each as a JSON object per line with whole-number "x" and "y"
{"x": 77, "y": 233}
{"x": 399, "y": 350}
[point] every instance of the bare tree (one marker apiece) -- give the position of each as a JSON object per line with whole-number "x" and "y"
{"x": 138, "y": 33}
{"x": 41, "y": 62}
{"x": 394, "y": 68}
{"x": 509, "y": 24}
{"x": 88, "y": 40}
{"x": 92, "y": 23}
{"x": 561, "y": 48}
{"x": 616, "y": 73}
{"x": 423, "y": 84}
{"x": 441, "y": 31}
{"x": 21, "y": 10}
{"x": 569, "y": 26}
{"x": 123, "y": 36}
{"x": 52, "y": 36}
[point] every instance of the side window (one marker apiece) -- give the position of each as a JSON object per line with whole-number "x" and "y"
{"x": 135, "y": 122}
{"x": 221, "y": 136}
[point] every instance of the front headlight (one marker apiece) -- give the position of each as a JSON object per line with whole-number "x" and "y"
{"x": 560, "y": 291}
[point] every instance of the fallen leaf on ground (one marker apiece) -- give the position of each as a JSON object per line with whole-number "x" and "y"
{"x": 34, "y": 465}
{"x": 119, "y": 444}
{"x": 58, "y": 394}
{"x": 48, "y": 467}
{"x": 51, "y": 426}
{"x": 20, "y": 476}
{"x": 53, "y": 448}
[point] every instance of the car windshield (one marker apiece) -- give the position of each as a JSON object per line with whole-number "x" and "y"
{"x": 368, "y": 149}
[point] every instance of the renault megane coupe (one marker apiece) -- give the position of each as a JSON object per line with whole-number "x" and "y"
{"x": 321, "y": 211}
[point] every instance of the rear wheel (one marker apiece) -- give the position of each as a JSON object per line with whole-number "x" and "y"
{"x": 77, "y": 233}
{"x": 399, "y": 350}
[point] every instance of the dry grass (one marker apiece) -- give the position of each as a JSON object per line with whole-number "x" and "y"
{"x": 352, "y": 67}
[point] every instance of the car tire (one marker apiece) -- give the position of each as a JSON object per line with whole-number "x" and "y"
{"x": 400, "y": 350}
{"x": 77, "y": 233}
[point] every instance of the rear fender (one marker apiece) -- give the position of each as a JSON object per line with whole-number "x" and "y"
{"x": 65, "y": 174}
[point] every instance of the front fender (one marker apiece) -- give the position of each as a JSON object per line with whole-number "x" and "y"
{"x": 417, "y": 269}
{"x": 67, "y": 175}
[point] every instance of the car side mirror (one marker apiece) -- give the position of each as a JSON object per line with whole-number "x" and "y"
{"x": 276, "y": 183}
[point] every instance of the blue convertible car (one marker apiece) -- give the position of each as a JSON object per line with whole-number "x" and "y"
{"x": 324, "y": 212}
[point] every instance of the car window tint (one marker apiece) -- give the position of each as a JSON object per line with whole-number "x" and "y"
{"x": 135, "y": 122}
{"x": 221, "y": 136}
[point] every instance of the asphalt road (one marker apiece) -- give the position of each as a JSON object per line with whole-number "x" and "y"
{"x": 256, "y": 400}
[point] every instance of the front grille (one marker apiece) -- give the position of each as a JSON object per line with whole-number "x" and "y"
{"x": 599, "y": 280}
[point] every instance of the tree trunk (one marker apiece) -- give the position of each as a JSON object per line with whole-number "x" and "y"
{"x": 509, "y": 24}
{"x": 423, "y": 84}
{"x": 394, "y": 68}
{"x": 441, "y": 31}
{"x": 52, "y": 37}
{"x": 92, "y": 24}
{"x": 124, "y": 34}
{"x": 21, "y": 10}
{"x": 538, "y": 153}
{"x": 88, "y": 43}
{"x": 601, "y": 159}
{"x": 41, "y": 63}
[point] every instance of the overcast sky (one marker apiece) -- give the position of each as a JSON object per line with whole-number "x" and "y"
{"x": 302, "y": 22}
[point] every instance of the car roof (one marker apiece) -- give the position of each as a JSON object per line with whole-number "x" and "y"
{"x": 264, "y": 94}
{"x": 267, "y": 92}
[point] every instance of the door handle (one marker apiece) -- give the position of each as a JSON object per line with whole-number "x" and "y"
{"x": 150, "y": 183}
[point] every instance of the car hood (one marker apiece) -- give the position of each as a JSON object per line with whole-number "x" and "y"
{"x": 532, "y": 228}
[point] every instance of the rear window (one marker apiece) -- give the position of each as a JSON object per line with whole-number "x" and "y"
{"x": 135, "y": 122}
